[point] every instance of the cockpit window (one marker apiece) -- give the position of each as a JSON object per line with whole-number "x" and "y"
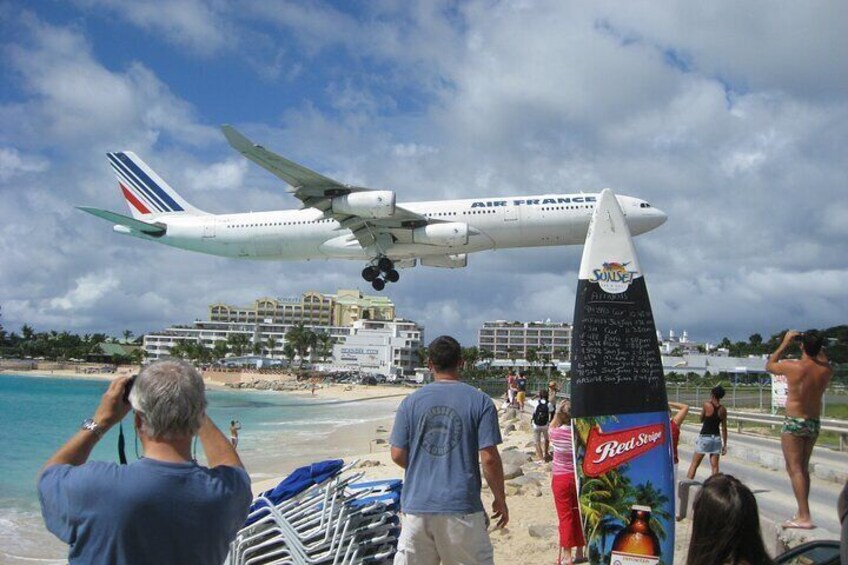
{"x": 644, "y": 205}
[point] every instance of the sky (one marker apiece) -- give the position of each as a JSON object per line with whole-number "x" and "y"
{"x": 732, "y": 117}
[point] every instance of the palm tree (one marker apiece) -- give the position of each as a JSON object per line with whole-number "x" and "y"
{"x": 532, "y": 355}
{"x": 605, "y": 503}
{"x": 127, "y": 335}
{"x": 324, "y": 345}
{"x": 270, "y": 345}
{"x": 423, "y": 355}
{"x": 512, "y": 354}
{"x": 238, "y": 343}
{"x": 289, "y": 352}
{"x": 220, "y": 349}
{"x": 470, "y": 355}
{"x": 486, "y": 356}
{"x": 302, "y": 339}
{"x": 647, "y": 495}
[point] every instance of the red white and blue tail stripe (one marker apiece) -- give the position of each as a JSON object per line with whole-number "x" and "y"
{"x": 145, "y": 191}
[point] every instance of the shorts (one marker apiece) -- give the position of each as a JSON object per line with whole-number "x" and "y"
{"x": 428, "y": 539}
{"x": 801, "y": 427}
{"x": 521, "y": 395}
{"x": 708, "y": 444}
{"x": 540, "y": 432}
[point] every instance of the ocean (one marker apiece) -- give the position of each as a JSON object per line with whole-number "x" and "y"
{"x": 37, "y": 415}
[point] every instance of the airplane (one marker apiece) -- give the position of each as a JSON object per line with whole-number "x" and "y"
{"x": 340, "y": 221}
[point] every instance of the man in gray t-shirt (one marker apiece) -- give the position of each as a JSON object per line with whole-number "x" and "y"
{"x": 442, "y": 433}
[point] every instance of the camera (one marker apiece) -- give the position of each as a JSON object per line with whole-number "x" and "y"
{"x": 128, "y": 388}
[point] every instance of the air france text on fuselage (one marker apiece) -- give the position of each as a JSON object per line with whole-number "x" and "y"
{"x": 534, "y": 201}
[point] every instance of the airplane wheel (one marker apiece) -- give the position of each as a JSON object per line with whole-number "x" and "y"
{"x": 370, "y": 273}
{"x": 385, "y": 264}
{"x": 392, "y": 276}
{"x": 378, "y": 284}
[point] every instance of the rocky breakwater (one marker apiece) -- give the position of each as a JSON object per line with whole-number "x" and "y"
{"x": 527, "y": 484}
{"x": 287, "y": 384}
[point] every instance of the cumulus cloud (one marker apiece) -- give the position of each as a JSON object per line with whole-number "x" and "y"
{"x": 13, "y": 163}
{"x": 197, "y": 25}
{"x": 725, "y": 116}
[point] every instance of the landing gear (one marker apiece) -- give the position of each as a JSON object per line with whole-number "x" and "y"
{"x": 383, "y": 266}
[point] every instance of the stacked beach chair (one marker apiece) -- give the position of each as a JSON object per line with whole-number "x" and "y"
{"x": 321, "y": 514}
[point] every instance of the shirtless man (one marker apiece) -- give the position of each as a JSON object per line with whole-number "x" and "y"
{"x": 807, "y": 380}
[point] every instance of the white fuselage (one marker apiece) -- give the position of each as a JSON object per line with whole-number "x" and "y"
{"x": 495, "y": 223}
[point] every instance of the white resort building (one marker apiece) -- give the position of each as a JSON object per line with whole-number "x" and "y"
{"x": 345, "y": 316}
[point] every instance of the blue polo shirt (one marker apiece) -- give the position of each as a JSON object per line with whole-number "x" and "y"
{"x": 146, "y": 512}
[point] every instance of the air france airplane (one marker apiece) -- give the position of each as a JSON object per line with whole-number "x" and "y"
{"x": 340, "y": 221}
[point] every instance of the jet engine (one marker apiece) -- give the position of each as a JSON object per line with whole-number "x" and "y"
{"x": 368, "y": 204}
{"x": 450, "y": 234}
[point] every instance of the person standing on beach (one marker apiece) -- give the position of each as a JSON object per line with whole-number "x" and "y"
{"x": 709, "y": 442}
{"x": 676, "y": 422}
{"x": 806, "y": 379}
{"x": 235, "y": 426}
{"x": 539, "y": 422}
{"x": 564, "y": 486}
{"x": 442, "y": 434}
{"x": 163, "y": 508}
{"x": 511, "y": 387}
{"x": 521, "y": 383}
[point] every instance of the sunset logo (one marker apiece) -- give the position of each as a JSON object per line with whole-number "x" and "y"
{"x": 613, "y": 277}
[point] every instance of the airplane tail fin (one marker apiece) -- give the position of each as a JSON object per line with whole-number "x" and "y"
{"x": 146, "y": 193}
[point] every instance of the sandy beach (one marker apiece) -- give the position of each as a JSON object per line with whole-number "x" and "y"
{"x": 531, "y": 535}
{"x": 532, "y": 532}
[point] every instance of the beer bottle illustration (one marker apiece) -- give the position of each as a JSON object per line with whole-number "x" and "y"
{"x": 636, "y": 544}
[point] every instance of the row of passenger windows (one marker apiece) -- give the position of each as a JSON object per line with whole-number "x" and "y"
{"x": 549, "y": 208}
{"x": 431, "y": 215}
{"x": 278, "y": 224}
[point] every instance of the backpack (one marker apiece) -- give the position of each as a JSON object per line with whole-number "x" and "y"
{"x": 541, "y": 414}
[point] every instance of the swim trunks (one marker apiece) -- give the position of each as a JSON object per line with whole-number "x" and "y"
{"x": 801, "y": 427}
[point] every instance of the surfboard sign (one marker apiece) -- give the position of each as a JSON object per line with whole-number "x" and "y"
{"x": 622, "y": 436}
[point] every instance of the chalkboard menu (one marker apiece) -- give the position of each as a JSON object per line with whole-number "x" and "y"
{"x": 615, "y": 361}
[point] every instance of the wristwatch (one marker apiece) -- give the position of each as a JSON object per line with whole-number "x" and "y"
{"x": 92, "y": 426}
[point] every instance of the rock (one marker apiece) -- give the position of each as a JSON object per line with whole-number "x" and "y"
{"x": 380, "y": 441}
{"x": 509, "y": 428}
{"x": 512, "y": 490}
{"x": 512, "y": 470}
{"x": 530, "y": 444}
{"x": 515, "y": 457}
{"x": 370, "y": 463}
{"x": 523, "y": 481}
{"x": 381, "y": 430}
{"x": 509, "y": 448}
{"x": 543, "y": 531}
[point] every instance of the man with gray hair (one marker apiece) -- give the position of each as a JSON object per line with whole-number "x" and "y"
{"x": 163, "y": 508}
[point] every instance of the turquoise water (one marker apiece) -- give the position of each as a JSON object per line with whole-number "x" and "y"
{"x": 37, "y": 415}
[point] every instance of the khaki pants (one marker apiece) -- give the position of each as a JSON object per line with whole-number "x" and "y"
{"x": 450, "y": 539}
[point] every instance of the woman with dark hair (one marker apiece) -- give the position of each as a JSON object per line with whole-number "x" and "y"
{"x": 564, "y": 486}
{"x": 709, "y": 442}
{"x": 726, "y": 525}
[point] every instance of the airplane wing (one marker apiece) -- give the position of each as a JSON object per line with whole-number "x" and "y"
{"x": 152, "y": 229}
{"x": 317, "y": 191}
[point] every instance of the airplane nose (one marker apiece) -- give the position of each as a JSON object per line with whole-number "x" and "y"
{"x": 658, "y": 218}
